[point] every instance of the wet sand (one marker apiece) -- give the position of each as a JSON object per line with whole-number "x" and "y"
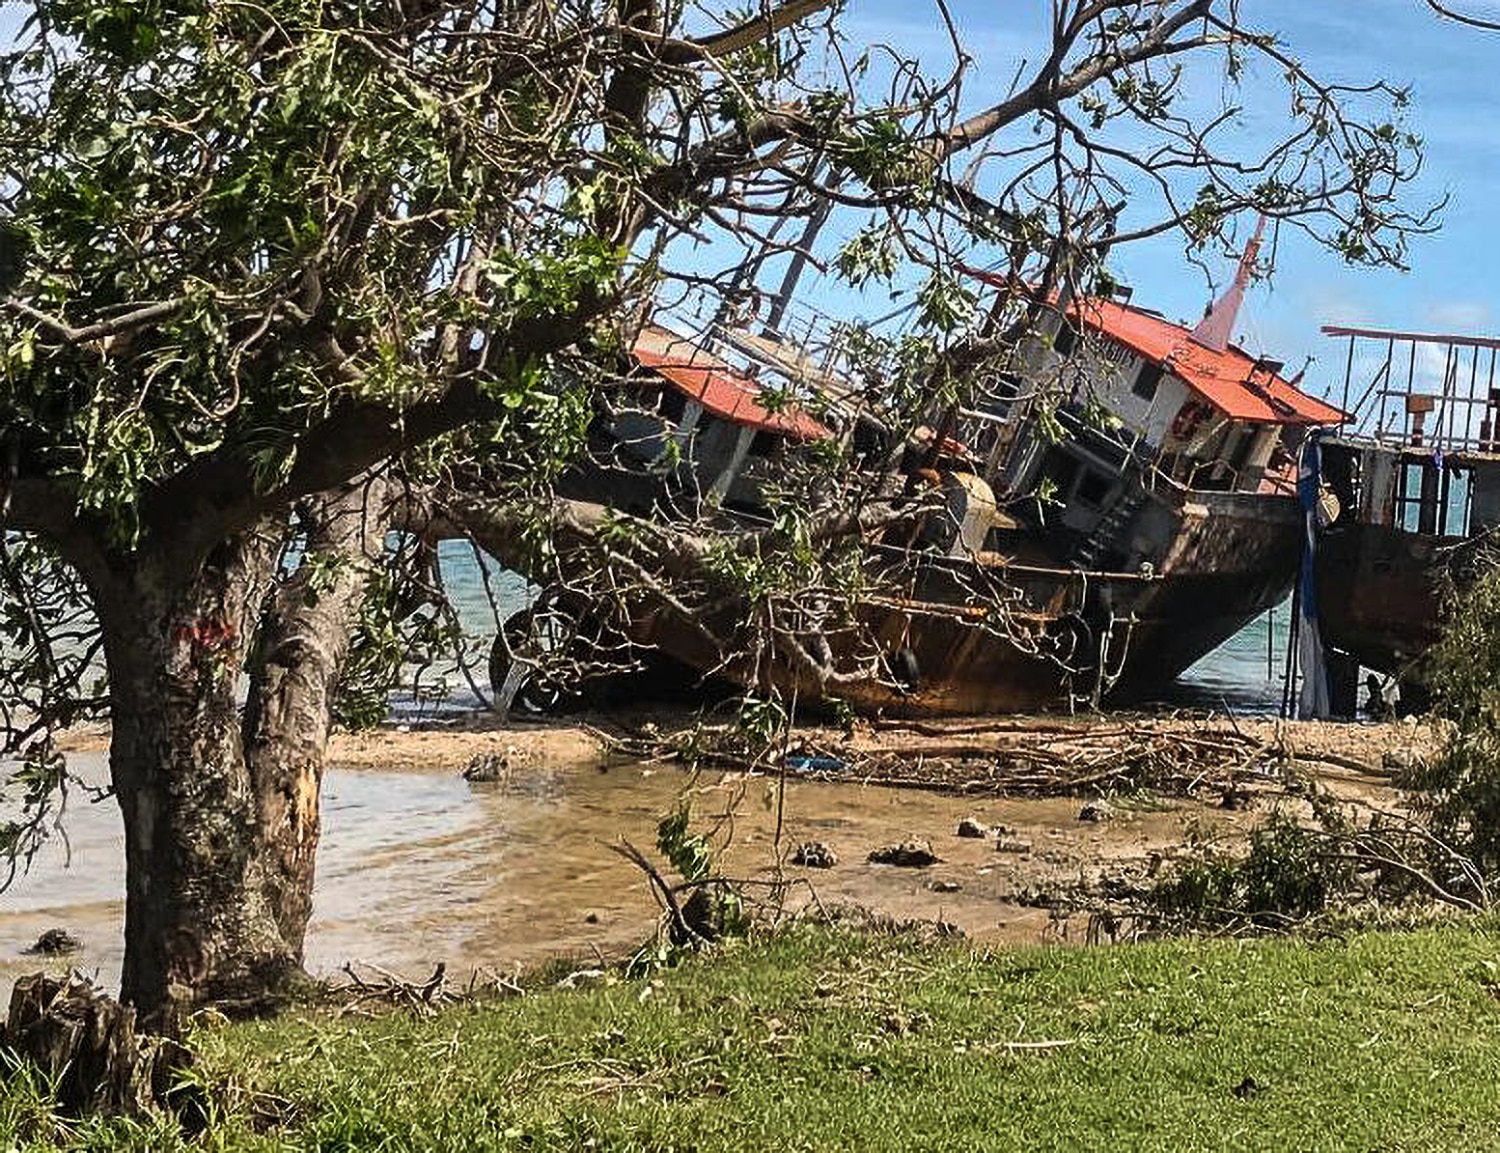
{"x": 451, "y": 744}
{"x": 419, "y": 866}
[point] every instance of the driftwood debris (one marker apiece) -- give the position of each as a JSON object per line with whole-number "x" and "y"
{"x": 912, "y": 854}
{"x": 87, "y": 1042}
{"x": 1050, "y": 760}
{"x": 424, "y": 996}
{"x": 814, "y": 855}
{"x": 1016, "y": 757}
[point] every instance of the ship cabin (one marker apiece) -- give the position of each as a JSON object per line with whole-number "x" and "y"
{"x": 1144, "y": 394}
{"x": 1421, "y": 454}
{"x": 1412, "y": 499}
{"x": 713, "y": 426}
{"x": 1147, "y": 406}
{"x": 1211, "y": 419}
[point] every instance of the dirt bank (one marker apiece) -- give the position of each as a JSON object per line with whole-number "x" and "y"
{"x": 449, "y": 745}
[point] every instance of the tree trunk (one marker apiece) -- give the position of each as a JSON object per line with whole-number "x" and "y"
{"x": 221, "y": 801}
{"x": 303, "y": 644}
{"x": 87, "y": 1044}
{"x": 198, "y": 924}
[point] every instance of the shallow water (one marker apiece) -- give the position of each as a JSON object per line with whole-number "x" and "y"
{"x": 1238, "y": 673}
{"x": 418, "y": 866}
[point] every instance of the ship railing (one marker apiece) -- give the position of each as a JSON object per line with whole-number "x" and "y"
{"x": 1429, "y": 391}
{"x": 1454, "y": 446}
{"x": 810, "y": 361}
{"x": 989, "y": 434}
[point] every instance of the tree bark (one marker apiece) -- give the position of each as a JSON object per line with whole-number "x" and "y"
{"x": 221, "y": 800}
{"x": 88, "y": 1045}
{"x": 198, "y": 923}
{"x": 300, "y": 655}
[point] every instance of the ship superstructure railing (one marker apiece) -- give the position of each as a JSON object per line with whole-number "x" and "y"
{"x": 1431, "y": 391}
{"x": 805, "y": 346}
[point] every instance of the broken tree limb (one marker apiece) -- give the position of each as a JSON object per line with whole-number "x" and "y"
{"x": 422, "y": 996}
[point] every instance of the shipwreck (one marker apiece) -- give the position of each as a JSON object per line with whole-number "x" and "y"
{"x": 1411, "y": 498}
{"x": 1117, "y": 500}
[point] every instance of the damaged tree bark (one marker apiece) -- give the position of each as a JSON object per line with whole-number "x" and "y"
{"x": 220, "y": 807}
{"x": 88, "y": 1045}
{"x": 303, "y": 645}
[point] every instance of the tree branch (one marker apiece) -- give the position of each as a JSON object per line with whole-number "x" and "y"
{"x": 126, "y": 322}
{"x": 1462, "y": 18}
{"x": 1045, "y": 90}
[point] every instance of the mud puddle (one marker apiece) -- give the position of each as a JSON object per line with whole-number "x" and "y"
{"x": 420, "y": 866}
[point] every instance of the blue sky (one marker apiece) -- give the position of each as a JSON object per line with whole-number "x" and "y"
{"x": 1452, "y": 72}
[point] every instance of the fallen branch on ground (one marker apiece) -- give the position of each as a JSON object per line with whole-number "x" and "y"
{"x": 392, "y": 988}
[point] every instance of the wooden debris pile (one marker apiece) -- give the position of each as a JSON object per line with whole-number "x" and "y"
{"x": 1216, "y": 759}
{"x": 370, "y": 984}
{"x": 393, "y": 989}
{"x": 1053, "y": 760}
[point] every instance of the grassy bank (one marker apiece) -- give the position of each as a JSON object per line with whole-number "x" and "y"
{"x": 818, "y": 1040}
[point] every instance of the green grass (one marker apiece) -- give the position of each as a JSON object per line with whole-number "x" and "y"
{"x": 822, "y": 1040}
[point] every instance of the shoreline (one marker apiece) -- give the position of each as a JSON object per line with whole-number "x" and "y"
{"x": 518, "y": 870}
{"x": 587, "y": 738}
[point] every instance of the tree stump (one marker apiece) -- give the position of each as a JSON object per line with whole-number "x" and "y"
{"x": 84, "y": 1040}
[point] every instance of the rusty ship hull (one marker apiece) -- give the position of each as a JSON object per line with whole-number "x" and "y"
{"x": 1412, "y": 490}
{"x": 984, "y": 635}
{"x": 1381, "y": 591}
{"x": 1058, "y": 559}
{"x": 1389, "y": 560}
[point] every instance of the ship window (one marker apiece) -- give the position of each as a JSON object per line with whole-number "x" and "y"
{"x": 1146, "y": 381}
{"x": 1420, "y": 499}
{"x": 1456, "y": 505}
{"x": 765, "y": 443}
{"x": 1058, "y": 474}
{"x": 646, "y": 399}
{"x": 1093, "y": 488}
{"x": 1242, "y": 448}
{"x": 1409, "y": 500}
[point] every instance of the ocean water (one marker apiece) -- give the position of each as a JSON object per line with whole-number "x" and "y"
{"x": 1236, "y": 675}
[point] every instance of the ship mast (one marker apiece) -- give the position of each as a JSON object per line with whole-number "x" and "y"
{"x": 1216, "y": 328}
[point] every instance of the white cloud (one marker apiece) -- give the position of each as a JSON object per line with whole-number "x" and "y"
{"x": 1462, "y": 317}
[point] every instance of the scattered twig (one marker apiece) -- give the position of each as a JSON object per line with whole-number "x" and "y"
{"x": 393, "y": 988}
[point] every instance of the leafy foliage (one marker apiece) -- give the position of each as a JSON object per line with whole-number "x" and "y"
{"x": 239, "y": 220}
{"x": 1290, "y": 873}
{"x": 712, "y": 908}
{"x": 689, "y": 853}
{"x": 1458, "y": 787}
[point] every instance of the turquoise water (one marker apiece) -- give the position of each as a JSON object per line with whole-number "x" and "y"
{"x": 483, "y": 595}
{"x": 1236, "y": 674}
